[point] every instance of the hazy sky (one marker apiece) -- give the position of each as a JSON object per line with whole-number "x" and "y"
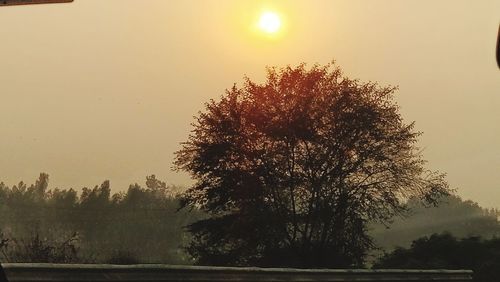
{"x": 98, "y": 90}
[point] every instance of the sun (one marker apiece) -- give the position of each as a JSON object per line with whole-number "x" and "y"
{"x": 269, "y": 22}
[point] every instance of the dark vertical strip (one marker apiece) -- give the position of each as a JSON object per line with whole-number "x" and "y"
{"x": 498, "y": 47}
{"x": 3, "y": 278}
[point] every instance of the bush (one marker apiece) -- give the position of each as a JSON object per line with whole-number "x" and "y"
{"x": 446, "y": 251}
{"x": 37, "y": 249}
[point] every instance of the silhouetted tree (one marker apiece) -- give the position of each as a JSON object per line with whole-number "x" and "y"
{"x": 292, "y": 170}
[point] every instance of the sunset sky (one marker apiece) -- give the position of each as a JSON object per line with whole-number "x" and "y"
{"x": 97, "y": 90}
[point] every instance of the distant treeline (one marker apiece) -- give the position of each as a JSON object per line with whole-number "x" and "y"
{"x": 143, "y": 224}
{"x": 451, "y": 215}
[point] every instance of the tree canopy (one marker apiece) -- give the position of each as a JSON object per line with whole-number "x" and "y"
{"x": 292, "y": 170}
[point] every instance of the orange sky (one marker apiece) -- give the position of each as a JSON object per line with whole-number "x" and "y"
{"x": 98, "y": 90}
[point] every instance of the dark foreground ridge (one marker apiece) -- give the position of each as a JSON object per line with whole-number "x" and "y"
{"x": 158, "y": 272}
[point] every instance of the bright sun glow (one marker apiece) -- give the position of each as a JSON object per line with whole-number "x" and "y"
{"x": 269, "y": 22}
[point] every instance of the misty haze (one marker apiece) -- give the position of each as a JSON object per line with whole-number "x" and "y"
{"x": 304, "y": 134}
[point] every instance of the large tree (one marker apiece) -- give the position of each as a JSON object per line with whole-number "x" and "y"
{"x": 291, "y": 171}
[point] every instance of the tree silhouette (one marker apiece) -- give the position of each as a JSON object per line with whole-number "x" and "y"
{"x": 292, "y": 170}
